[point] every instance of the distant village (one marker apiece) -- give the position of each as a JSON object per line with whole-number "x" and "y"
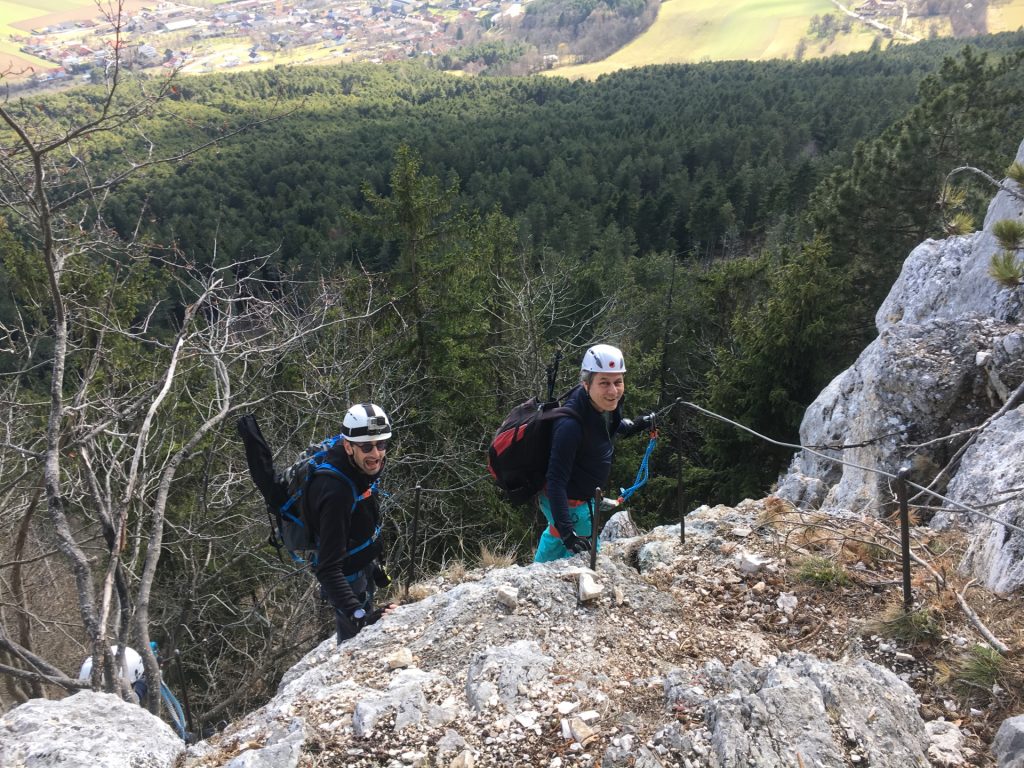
{"x": 248, "y": 32}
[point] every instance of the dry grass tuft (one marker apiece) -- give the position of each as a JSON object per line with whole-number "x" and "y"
{"x": 498, "y": 558}
{"x": 912, "y": 628}
{"x": 420, "y": 591}
{"x": 455, "y": 571}
{"x": 980, "y": 674}
{"x": 776, "y": 511}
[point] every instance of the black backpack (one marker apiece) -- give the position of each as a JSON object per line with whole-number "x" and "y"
{"x": 517, "y": 457}
{"x": 285, "y": 492}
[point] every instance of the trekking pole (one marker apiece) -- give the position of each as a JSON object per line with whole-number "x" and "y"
{"x": 184, "y": 691}
{"x": 595, "y": 519}
{"x": 552, "y": 371}
{"x": 415, "y": 535}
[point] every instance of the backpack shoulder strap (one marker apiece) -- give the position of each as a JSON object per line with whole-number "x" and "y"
{"x": 562, "y": 411}
{"x": 332, "y": 471}
{"x": 325, "y": 468}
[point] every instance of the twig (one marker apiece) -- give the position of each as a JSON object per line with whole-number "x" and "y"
{"x": 972, "y": 617}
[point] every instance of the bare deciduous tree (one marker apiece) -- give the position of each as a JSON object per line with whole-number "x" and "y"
{"x": 121, "y": 365}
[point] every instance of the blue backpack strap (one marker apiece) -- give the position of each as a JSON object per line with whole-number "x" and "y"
{"x": 324, "y": 468}
{"x": 330, "y": 469}
{"x": 365, "y": 544}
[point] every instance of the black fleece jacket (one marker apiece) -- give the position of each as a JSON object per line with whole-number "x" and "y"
{"x": 338, "y": 528}
{"x": 581, "y": 455}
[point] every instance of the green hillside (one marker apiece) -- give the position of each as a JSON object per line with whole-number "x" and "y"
{"x": 706, "y": 30}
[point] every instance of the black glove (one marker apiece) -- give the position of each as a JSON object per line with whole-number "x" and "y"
{"x": 628, "y": 428}
{"x": 349, "y": 625}
{"x": 575, "y": 543}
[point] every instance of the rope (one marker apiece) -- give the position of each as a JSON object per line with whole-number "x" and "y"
{"x": 642, "y": 473}
{"x": 176, "y": 714}
{"x": 882, "y": 472}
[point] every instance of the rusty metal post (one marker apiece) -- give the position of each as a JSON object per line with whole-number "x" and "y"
{"x": 595, "y": 522}
{"x": 901, "y": 494}
{"x": 184, "y": 694}
{"x": 680, "y": 493}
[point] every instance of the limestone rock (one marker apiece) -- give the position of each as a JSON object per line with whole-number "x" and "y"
{"x": 791, "y": 717}
{"x": 508, "y": 596}
{"x": 750, "y": 564}
{"x": 589, "y": 588}
{"x": 950, "y": 349}
{"x": 945, "y": 743}
{"x": 581, "y": 732}
{"x": 497, "y": 673}
{"x": 1008, "y": 746}
{"x": 404, "y": 697}
{"x": 989, "y": 471}
{"x": 84, "y": 731}
{"x": 400, "y": 659}
{"x": 281, "y": 749}
{"x": 619, "y": 526}
{"x": 655, "y": 553}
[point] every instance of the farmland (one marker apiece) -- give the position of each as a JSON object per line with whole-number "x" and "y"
{"x": 713, "y": 30}
{"x": 689, "y": 31}
{"x": 19, "y": 19}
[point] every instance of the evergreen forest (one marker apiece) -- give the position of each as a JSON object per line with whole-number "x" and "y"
{"x": 284, "y": 243}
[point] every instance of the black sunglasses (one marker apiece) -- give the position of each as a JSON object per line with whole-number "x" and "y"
{"x": 380, "y": 445}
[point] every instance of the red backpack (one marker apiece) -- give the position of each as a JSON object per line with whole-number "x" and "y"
{"x": 518, "y": 455}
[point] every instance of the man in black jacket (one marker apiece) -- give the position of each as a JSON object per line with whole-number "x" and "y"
{"x": 341, "y": 510}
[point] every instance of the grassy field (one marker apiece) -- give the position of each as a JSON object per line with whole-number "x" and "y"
{"x": 1005, "y": 16}
{"x": 688, "y": 31}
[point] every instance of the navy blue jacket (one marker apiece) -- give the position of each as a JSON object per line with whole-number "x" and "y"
{"x": 338, "y": 528}
{"x": 581, "y": 455}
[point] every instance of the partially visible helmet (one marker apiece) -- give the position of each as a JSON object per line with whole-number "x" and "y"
{"x": 133, "y": 668}
{"x": 366, "y": 423}
{"x": 603, "y": 358}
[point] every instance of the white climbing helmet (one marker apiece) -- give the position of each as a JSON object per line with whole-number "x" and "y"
{"x": 366, "y": 423}
{"x": 603, "y": 358}
{"x": 133, "y": 668}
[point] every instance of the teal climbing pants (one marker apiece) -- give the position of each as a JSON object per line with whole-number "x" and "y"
{"x": 551, "y": 546}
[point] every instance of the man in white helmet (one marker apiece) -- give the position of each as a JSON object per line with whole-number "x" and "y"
{"x": 133, "y": 670}
{"x": 342, "y": 513}
{"x": 581, "y": 453}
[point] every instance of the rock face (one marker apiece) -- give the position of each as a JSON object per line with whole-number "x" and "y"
{"x": 88, "y": 730}
{"x": 949, "y": 354}
{"x": 800, "y": 711}
{"x": 616, "y": 680}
